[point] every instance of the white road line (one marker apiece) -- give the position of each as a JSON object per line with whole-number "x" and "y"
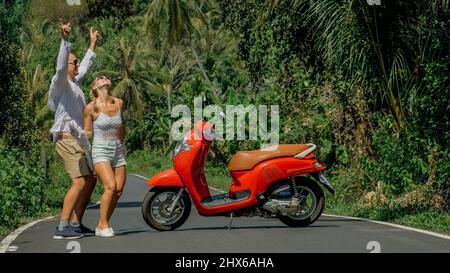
{"x": 4, "y": 245}
{"x": 93, "y": 205}
{"x": 140, "y": 176}
{"x": 435, "y": 234}
{"x": 220, "y": 191}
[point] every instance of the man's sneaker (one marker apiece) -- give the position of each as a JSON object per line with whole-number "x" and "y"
{"x": 112, "y": 230}
{"x": 105, "y": 233}
{"x": 67, "y": 233}
{"x": 83, "y": 229}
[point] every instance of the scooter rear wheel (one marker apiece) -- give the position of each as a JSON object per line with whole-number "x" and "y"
{"x": 155, "y": 204}
{"x": 319, "y": 204}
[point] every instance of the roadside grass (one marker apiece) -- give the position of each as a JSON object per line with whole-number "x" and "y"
{"x": 434, "y": 221}
{"x": 412, "y": 215}
{"x": 427, "y": 220}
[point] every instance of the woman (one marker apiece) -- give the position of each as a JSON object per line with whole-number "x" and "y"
{"x": 103, "y": 119}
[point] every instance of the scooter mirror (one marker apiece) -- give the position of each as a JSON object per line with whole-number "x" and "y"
{"x": 205, "y": 101}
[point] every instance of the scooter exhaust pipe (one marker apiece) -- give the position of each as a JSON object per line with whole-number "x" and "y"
{"x": 278, "y": 206}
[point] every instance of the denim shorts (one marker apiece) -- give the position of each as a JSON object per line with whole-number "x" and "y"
{"x": 110, "y": 151}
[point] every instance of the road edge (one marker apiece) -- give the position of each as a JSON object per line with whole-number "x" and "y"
{"x": 4, "y": 245}
{"x": 427, "y": 232}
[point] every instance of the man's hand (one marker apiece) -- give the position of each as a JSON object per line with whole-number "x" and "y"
{"x": 64, "y": 28}
{"x": 94, "y": 36}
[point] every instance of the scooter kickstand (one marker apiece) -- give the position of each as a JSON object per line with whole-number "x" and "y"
{"x": 231, "y": 220}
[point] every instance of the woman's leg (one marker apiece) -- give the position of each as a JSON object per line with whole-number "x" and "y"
{"x": 120, "y": 175}
{"x": 106, "y": 175}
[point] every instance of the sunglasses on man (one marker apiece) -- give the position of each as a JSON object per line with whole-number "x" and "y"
{"x": 74, "y": 62}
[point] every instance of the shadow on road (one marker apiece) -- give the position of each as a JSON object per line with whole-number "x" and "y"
{"x": 254, "y": 227}
{"x": 132, "y": 231}
{"x": 121, "y": 205}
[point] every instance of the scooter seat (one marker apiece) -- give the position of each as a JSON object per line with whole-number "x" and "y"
{"x": 246, "y": 160}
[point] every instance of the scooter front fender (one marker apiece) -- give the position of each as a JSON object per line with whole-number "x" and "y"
{"x": 169, "y": 178}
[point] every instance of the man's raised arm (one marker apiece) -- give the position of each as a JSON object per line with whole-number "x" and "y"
{"x": 89, "y": 58}
{"x": 62, "y": 64}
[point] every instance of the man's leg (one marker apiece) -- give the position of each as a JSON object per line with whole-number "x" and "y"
{"x": 76, "y": 166}
{"x": 83, "y": 200}
{"x": 70, "y": 200}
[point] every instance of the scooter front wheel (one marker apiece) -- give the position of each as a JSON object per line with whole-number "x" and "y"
{"x": 156, "y": 208}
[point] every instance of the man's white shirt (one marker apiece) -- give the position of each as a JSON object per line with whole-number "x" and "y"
{"x": 65, "y": 97}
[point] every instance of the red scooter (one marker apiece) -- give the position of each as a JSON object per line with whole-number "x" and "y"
{"x": 282, "y": 182}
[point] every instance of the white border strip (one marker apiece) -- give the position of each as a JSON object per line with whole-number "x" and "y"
{"x": 4, "y": 245}
{"x": 435, "y": 234}
{"x": 140, "y": 176}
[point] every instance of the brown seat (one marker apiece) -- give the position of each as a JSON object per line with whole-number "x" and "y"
{"x": 246, "y": 160}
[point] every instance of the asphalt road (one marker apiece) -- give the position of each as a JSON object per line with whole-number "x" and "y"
{"x": 211, "y": 234}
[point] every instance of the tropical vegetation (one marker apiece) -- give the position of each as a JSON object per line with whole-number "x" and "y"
{"x": 370, "y": 85}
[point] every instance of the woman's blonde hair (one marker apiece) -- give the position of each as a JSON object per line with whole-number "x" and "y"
{"x": 94, "y": 95}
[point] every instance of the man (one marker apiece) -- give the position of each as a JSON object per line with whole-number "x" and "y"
{"x": 67, "y": 100}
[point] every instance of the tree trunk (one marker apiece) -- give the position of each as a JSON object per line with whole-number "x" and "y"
{"x": 202, "y": 69}
{"x": 169, "y": 108}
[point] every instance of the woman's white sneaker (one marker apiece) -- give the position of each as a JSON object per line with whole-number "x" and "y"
{"x": 104, "y": 233}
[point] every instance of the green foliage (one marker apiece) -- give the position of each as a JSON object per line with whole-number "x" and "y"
{"x": 148, "y": 163}
{"x": 120, "y": 9}
{"x": 19, "y": 130}
{"x": 407, "y": 162}
{"x": 430, "y": 109}
{"x": 22, "y": 186}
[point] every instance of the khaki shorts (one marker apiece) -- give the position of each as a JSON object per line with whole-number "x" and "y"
{"x": 74, "y": 158}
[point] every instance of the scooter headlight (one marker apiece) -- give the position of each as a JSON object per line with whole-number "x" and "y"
{"x": 182, "y": 146}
